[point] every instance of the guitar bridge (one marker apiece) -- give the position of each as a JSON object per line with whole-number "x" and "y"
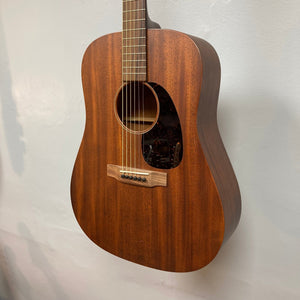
{"x": 139, "y": 177}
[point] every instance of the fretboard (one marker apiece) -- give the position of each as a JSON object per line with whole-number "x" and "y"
{"x": 134, "y": 62}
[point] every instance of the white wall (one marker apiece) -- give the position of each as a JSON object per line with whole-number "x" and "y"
{"x": 43, "y": 252}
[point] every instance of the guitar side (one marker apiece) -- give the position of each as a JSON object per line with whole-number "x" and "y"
{"x": 210, "y": 138}
{"x": 182, "y": 226}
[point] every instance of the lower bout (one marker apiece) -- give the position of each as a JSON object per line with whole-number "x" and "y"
{"x": 160, "y": 227}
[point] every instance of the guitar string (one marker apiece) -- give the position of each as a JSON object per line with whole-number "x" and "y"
{"x": 134, "y": 26}
{"x": 137, "y": 65}
{"x": 122, "y": 90}
{"x": 130, "y": 96}
{"x": 128, "y": 88}
{"x": 122, "y": 86}
{"x": 146, "y": 78}
{"x": 128, "y": 85}
{"x": 140, "y": 25}
{"x": 134, "y": 118}
{"x": 126, "y": 101}
{"x": 130, "y": 92}
{"x": 143, "y": 87}
{"x": 145, "y": 64}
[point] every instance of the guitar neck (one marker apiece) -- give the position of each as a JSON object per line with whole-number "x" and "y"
{"x": 134, "y": 61}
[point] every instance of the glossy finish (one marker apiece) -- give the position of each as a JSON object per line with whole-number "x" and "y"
{"x": 180, "y": 227}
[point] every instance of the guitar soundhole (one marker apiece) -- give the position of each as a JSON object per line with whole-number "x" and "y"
{"x": 137, "y": 107}
{"x": 162, "y": 146}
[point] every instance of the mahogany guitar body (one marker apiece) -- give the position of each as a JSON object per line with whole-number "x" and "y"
{"x": 179, "y": 227}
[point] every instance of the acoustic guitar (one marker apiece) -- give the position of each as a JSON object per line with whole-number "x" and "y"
{"x": 152, "y": 182}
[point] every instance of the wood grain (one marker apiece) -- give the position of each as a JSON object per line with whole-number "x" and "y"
{"x": 180, "y": 227}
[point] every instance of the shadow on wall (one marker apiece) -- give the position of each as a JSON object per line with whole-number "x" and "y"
{"x": 7, "y": 286}
{"x": 12, "y": 128}
{"x": 40, "y": 261}
{"x": 13, "y": 282}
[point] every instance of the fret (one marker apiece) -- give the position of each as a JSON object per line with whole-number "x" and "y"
{"x": 131, "y": 10}
{"x": 134, "y": 46}
{"x": 129, "y": 29}
{"x": 135, "y": 73}
{"x": 134, "y": 67}
{"x": 134, "y": 37}
{"x": 140, "y": 53}
{"x": 134, "y": 20}
{"x": 134, "y": 59}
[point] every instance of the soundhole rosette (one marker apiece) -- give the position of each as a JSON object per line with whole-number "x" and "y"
{"x": 136, "y": 107}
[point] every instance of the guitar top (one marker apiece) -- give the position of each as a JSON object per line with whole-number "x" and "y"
{"x": 152, "y": 182}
